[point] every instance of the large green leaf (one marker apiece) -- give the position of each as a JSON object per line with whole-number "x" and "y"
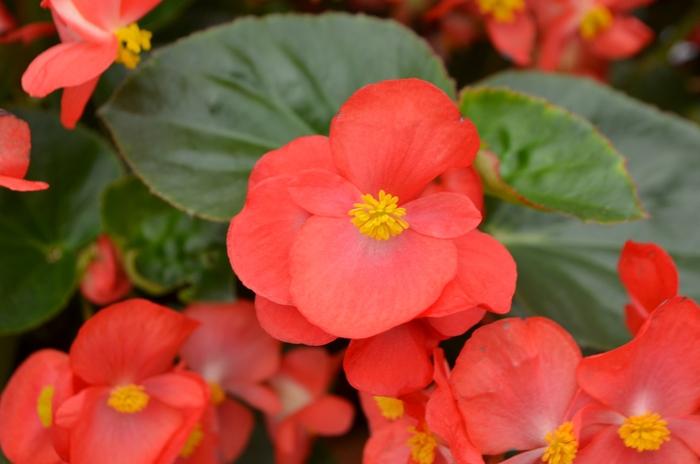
{"x": 163, "y": 248}
{"x": 567, "y": 269}
{"x": 42, "y": 233}
{"x": 193, "y": 120}
{"x": 538, "y": 164}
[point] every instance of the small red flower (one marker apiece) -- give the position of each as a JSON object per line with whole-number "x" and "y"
{"x": 10, "y": 32}
{"x": 650, "y": 278}
{"x": 105, "y": 281}
{"x": 15, "y": 145}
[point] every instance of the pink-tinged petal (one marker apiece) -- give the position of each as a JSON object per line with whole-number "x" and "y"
{"x": 179, "y": 390}
{"x": 260, "y": 397}
{"x": 455, "y": 324}
{"x": 398, "y": 136}
{"x": 73, "y": 102}
{"x": 625, "y": 37}
{"x": 28, "y": 33}
{"x": 324, "y": 193}
{"x": 687, "y": 429}
{"x": 608, "y": 448}
{"x": 635, "y": 317}
{"x": 648, "y": 274}
{"x": 329, "y": 415}
{"x": 388, "y": 445}
{"x": 292, "y": 443}
{"x": 104, "y": 14}
{"x": 68, "y": 65}
{"x": 206, "y": 451}
{"x": 105, "y": 280}
{"x": 133, "y": 10}
{"x": 260, "y": 238}
{"x": 460, "y": 180}
{"x": 442, "y": 215}
{"x": 354, "y": 286}
{"x": 25, "y": 437}
{"x": 286, "y": 323}
{"x": 128, "y": 342}
{"x": 312, "y": 368}
{"x": 70, "y": 17}
{"x": 658, "y": 371}
{"x": 515, "y": 380}
{"x": 15, "y": 145}
{"x": 229, "y": 346}
{"x": 486, "y": 277}
{"x": 514, "y": 39}
{"x": 235, "y": 428}
{"x": 21, "y": 185}
{"x": 557, "y": 38}
{"x": 392, "y": 363}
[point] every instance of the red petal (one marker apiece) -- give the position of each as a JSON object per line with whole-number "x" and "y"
{"x": 133, "y": 10}
{"x": 104, "y": 13}
{"x": 21, "y": 185}
{"x": 329, "y": 415}
{"x": 648, "y": 273}
{"x": 313, "y": 368}
{"x": 389, "y": 445}
{"x": 398, "y": 136}
{"x": 607, "y": 447}
{"x": 74, "y": 26}
{"x": 235, "y": 428}
{"x": 128, "y": 342}
{"x": 514, "y": 39}
{"x": 324, "y": 193}
{"x": 286, "y": 323}
{"x": 354, "y": 286}
{"x": 15, "y": 145}
{"x": 460, "y": 180}
{"x": 28, "y": 33}
{"x": 74, "y": 100}
{"x": 105, "y": 281}
{"x": 455, "y": 324}
{"x": 442, "y": 215}
{"x": 625, "y": 37}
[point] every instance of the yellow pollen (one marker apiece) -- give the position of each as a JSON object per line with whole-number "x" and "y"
{"x": 128, "y": 399}
{"x": 132, "y": 41}
{"x": 597, "y": 20}
{"x": 193, "y": 441}
{"x": 379, "y": 218}
{"x": 646, "y": 432}
{"x": 422, "y": 444}
{"x": 217, "y": 394}
{"x": 391, "y": 408}
{"x": 502, "y": 11}
{"x": 44, "y": 406}
{"x": 562, "y": 445}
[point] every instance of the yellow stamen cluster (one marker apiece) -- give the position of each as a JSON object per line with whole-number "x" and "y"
{"x": 379, "y": 218}
{"x": 391, "y": 408}
{"x": 422, "y": 445}
{"x": 128, "y": 399}
{"x": 646, "y": 432}
{"x": 562, "y": 445}
{"x": 132, "y": 41}
{"x": 502, "y": 11}
{"x": 217, "y": 394}
{"x": 194, "y": 439}
{"x": 596, "y": 21}
{"x": 44, "y": 406}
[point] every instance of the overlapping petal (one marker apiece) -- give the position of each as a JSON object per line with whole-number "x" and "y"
{"x": 287, "y": 324}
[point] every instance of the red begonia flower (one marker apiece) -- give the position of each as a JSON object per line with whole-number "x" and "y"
{"x": 460, "y": 180}
{"x": 94, "y": 34}
{"x": 28, "y": 408}
{"x": 515, "y": 381}
{"x": 650, "y": 278}
{"x": 105, "y": 280}
{"x": 307, "y": 409}
{"x": 15, "y": 145}
{"x": 10, "y": 32}
{"x": 649, "y": 392}
{"x": 135, "y": 408}
{"x": 234, "y": 356}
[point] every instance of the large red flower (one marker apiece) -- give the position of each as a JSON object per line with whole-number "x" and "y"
{"x": 105, "y": 280}
{"x": 649, "y": 392}
{"x": 338, "y": 239}
{"x": 94, "y": 34}
{"x": 135, "y": 408}
{"x": 15, "y": 145}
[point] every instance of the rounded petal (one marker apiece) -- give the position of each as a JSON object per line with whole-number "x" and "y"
{"x": 70, "y": 17}
{"x": 515, "y": 380}
{"x": 442, "y": 215}
{"x": 648, "y": 274}
{"x": 105, "y": 280}
{"x": 235, "y": 428}
{"x": 329, "y": 415}
{"x": 393, "y": 363}
{"x": 607, "y": 447}
{"x": 128, "y": 342}
{"x": 25, "y": 436}
{"x": 68, "y": 65}
{"x": 104, "y": 14}
{"x": 388, "y": 445}
{"x": 354, "y": 286}
{"x": 398, "y": 136}
{"x": 460, "y": 180}
{"x": 286, "y": 323}
{"x": 74, "y": 100}
{"x": 261, "y": 397}
{"x": 455, "y": 324}
{"x": 625, "y": 37}
{"x": 514, "y": 39}
{"x": 658, "y": 371}
{"x": 133, "y": 10}
{"x": 260, "y": 238}
{"x": 486, "y": 277}
{"x": 313, "y": 368}
{"x": 229, "y": 346}
{"x": 324, "y": 193}
{"x": 15, "y": 145}
{"x": 179, "y": 390}
{"x": 310, "y": 152}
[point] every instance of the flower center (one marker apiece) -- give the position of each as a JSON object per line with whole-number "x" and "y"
{"x": 596, "y": 20}
{"x": 562, "y": 445}
{"x": 194, "y": 439}
{"x": 379, "y": 218}
{"x": 217, "y": 394}
{"x": 422, "y": 444}
{"x": 391, "y": 408}
{"x": 132, "y": 41}
{"x": 646, "y": 432}
{"x": 44, "y": 406}
{"x": 502, "y": 11}
{"x": 128, "y": 399}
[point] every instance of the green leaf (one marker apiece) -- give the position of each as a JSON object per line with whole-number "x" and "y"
{"x": 548, "y": 158}
{"x": 42, "y": 233}
{"x": 567, "y": 270}
{"x": 193, "y": 120}
{"x": 165, "y": 249}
